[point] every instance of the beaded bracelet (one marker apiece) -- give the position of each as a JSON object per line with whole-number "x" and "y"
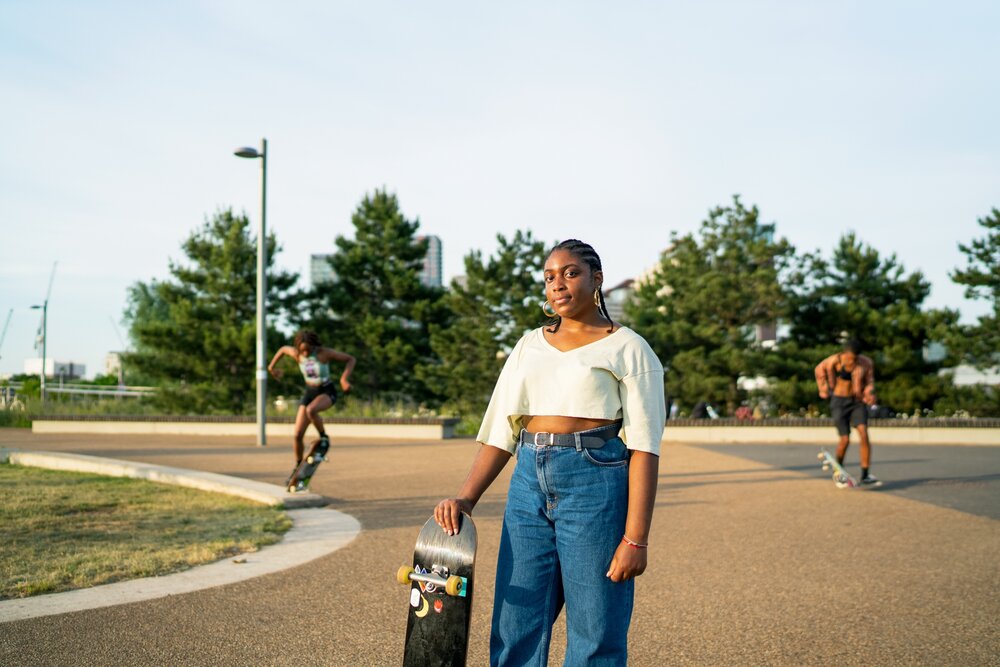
{"x": 634, "y": 545}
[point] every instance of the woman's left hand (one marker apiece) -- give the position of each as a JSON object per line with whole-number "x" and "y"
{"x": 345, "y": 385}
{"x": 627, "y": 563}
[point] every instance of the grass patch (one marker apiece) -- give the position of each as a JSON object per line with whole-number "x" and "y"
{"x": 65, "y": 530}
{"x": 14, "y": 419}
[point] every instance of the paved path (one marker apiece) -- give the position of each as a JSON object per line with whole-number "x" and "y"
{"x": 962, "y": 478}
{"x": 750, "y": 564}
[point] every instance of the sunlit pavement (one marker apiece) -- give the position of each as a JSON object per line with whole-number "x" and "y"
{"x": 755, "y": 558}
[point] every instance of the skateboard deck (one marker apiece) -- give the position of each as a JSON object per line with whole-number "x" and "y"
{"x": 440, "y": 599}
{"x": 841, "y": 477}
{"x": 299, "y": 481}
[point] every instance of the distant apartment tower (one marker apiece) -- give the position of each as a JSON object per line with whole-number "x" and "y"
{"x": 320, "y": 271}
{"x": 431, "y": 275}
{"x": 113, "y": 363}
{"x": 68, "y": 370}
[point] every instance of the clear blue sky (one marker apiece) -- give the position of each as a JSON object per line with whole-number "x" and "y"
{"x": 613, "y": 122}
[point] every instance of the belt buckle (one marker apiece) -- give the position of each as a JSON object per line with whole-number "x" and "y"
{"x": 542, "y": 444}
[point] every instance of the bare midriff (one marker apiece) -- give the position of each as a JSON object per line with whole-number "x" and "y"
{"x": 560, "y": 424}
{"x": 843, "y": 388}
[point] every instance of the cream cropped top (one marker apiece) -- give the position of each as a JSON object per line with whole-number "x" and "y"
{"x": 616, "y": 377}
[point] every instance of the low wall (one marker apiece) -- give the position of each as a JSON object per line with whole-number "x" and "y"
{"x": 394, "y": 429}
{"x": 821, "y": 431}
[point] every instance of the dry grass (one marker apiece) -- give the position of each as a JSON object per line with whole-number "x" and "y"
{"x": 64, "y": 530}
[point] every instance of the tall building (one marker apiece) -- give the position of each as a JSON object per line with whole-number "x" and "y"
{"x": 68, "y": 370}
{"x": 431, "y": 275}
{"x": 112, "y": 363}
{"x": 320, "y": 271}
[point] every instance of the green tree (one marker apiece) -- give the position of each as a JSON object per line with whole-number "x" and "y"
{"x": 194, "y": 333}
{"x": 860, "y": 294}
{"x": 376, "y": 308}
{"x": 491, "y": 310}
{"x": 698, "y": 309}
{"x": 980, "y": 344}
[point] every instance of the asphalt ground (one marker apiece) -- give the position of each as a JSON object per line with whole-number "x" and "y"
{"x": 750, "y": 563}
{"x": 959, "y": 477}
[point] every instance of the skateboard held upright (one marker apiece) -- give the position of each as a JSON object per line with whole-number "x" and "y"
{"x": 440, "y": 601}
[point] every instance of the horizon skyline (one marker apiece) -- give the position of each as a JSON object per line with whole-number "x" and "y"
{"x": 305, "y": 280}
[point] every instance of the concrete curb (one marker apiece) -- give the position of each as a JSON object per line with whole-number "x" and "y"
{"x": 316, "y": 532}
{"x": 820, "y": 435}
{"x": 334, "y": 428}
{"x": 267, "y": 494}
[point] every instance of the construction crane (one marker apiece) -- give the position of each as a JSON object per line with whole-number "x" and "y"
{"x": 6, "y": 324}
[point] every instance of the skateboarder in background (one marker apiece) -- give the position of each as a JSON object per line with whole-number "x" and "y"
{"x": 847, "y": 379}
{"x": 581, "y": 403}
{"x": 321, "y": 393}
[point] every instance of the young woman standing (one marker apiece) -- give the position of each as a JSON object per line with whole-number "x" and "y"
{"x": 581, "y": 403}
{"x": 321, "y": 393}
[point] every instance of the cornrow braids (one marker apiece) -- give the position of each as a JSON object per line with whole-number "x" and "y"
{"x": 586, "y": 254}
{"x": 311, "y": 338}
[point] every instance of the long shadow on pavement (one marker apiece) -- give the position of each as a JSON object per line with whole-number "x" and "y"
{"x": 957, "y": 477}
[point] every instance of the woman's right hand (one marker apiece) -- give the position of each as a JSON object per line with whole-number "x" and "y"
{"x": 448, "y": 514}
{"x": 276, "y": 372}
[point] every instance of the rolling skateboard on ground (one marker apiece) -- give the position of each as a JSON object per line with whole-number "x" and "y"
{"x": 440, "y": 600}
{"x": 841, "y": 477}
{"x": 301, "y": 476}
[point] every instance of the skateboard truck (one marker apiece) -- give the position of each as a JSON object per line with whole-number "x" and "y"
{"x": 453, "y": 585}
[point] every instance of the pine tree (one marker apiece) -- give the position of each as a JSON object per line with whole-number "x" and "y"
{"x": 376, "y": 308}
{"x": 497, "y": 303}
{"x": 863, "y": 295}
{"x": 194, "y": 333}
{"x": 980, "y": 344}
{"x": 698, "y": 309}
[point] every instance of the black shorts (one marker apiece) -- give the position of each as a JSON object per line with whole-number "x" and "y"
{"x": 848, "y": 411}
{"x": 312, "y": 393}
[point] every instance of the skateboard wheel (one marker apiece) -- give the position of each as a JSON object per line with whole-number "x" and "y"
{"x": 403, "y": 574}
{"x": 453, "y": 586}
{"x": 310, "y": 460}
{"x": 820, "y": 456}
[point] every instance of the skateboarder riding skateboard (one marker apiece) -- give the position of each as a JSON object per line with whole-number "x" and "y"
{"x": 321, "y": 393}
{"x": 580, "y": 401}
{"x": 847, "y": 379}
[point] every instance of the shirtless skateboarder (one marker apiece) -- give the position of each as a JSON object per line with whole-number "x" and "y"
{"x": 847, "y": 379}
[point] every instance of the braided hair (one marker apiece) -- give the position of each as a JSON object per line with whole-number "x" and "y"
{"x": 586, "y": 254}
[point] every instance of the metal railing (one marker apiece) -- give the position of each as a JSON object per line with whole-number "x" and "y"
{"x": 120, "y": 391}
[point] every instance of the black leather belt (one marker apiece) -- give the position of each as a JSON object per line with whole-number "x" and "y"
{"x": 590, "y": 439}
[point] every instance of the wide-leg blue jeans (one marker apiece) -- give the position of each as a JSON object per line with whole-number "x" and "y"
{"x": 565, "y": 517}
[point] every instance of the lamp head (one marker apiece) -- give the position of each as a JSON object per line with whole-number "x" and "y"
{"x": 247, "y": 151}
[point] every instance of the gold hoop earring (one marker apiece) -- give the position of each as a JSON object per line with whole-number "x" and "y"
{"x": 544, "y": 310}
{"x": 597, "y": 297}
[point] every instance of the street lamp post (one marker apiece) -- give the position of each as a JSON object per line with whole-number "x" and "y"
{"x": 45, "y": 341}
{"x": 250, "y": 152}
